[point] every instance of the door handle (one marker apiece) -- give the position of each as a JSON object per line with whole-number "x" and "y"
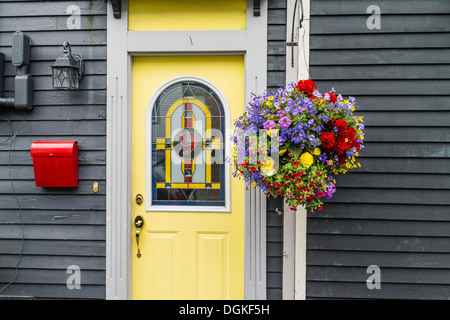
{"x": 138, "y": 222}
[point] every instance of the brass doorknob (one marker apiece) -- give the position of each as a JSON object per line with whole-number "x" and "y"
{"x": 138, "y": 222}
{"x": 139, "y": 199}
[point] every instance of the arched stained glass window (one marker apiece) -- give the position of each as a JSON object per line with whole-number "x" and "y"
{"x": 188, "y": 146}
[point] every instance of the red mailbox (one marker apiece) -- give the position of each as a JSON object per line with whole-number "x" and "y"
{"x": 55, "y": 163}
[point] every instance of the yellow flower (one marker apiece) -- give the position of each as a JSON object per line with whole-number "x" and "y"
{"x": 267, "y": 167}
{"x": 282, "y": 151}
{"x": 316, "y": 151}
{"x": 272, "y": 132}
{"x": 306, "y": 159}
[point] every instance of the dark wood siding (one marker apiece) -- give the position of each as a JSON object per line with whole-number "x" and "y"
{"x": 394, "y": 211}
{"x": 60, "y": 226}
{"x": 276, "y": 77}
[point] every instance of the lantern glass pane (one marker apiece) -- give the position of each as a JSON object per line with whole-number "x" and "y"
{"x": 65, "y": 78}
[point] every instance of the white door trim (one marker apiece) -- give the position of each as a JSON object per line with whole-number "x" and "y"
{"x": 122, "y": 45}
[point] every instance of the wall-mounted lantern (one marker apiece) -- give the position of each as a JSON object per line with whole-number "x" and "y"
{"x": 67, "y": 70}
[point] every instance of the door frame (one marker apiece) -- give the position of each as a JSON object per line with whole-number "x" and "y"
{"x": 122, "y": 46}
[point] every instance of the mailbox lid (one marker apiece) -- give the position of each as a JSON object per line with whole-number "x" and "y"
{"x": 54, "y": 149}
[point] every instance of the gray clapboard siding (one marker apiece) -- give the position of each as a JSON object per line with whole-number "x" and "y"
{"x": 66, "y": 127}
{"x": 29, "y": 276}
{"x": 405, "y": 165}
{"x": 276, "y": 77}
{"x": 85, "y": 172}
{"x": 52, "y": 98}
{"x": 50, "y": 217}
{"x": 50, "y": 23}
{"x": 382, "y": 56}
{"x": 274, "y": 250}
{"x": 383, "y": 211}
{"x": 409, "y": 102}
{"x": 396, "y": 180}
{"x": 379, "y": 41}
{"x": 357, "y": 23}
{"x": 389, "y": 87}
{"x": 29, "y": 187}
{"x": 46, "y": 112}
{"x": 60, "y": 226}
{"x": 57, "y": 8}
{"x": 393, "y": 291}
{"x": 375, "y": 243}
{"x": 386, "y": 73}
{"x": 56, "y": 291}
{"x": 393, "y": 211}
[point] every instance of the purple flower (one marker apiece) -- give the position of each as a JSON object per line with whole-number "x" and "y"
{"x": 284, "y": 122}
{"x": 269, "y": 124}
{"x": 280, "y": 113}
{"x": 331, "y": 189}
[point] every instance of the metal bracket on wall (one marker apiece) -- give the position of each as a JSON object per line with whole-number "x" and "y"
{"x": 256, "y": 8}
{"x": 23, "y": 82}
{"x": 117, "y": 8}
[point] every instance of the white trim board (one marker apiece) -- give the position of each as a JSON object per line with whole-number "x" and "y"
{"x": 301, "y": 216}
{"x": 186, "y": 41}
{"x": 295, "y": 229}
{"x": 121, "y": 47}
{"x": 118, "y": 163}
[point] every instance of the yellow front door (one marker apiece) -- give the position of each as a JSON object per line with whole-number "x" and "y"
{"x": 191, "y": 243}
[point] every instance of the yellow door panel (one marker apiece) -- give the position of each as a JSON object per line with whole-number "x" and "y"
{"x": 185, "y": 254}
{"x": 176, "y": 15}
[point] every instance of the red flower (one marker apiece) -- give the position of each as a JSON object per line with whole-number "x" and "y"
{"x": 340, "y": 146}
{"x": 327, "y": 139}
{"x": 341, "y": 125}
{"x": 306, "y": 86}
{"x": 350, "y": 133}
{"x": 356, "y": 145}
{"x": 296, "y": 163}
{"x": 342, "y": 160}
{"x": 333, "y": 97}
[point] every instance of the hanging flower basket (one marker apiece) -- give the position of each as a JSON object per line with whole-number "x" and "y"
{"x": 291, "y": 143}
